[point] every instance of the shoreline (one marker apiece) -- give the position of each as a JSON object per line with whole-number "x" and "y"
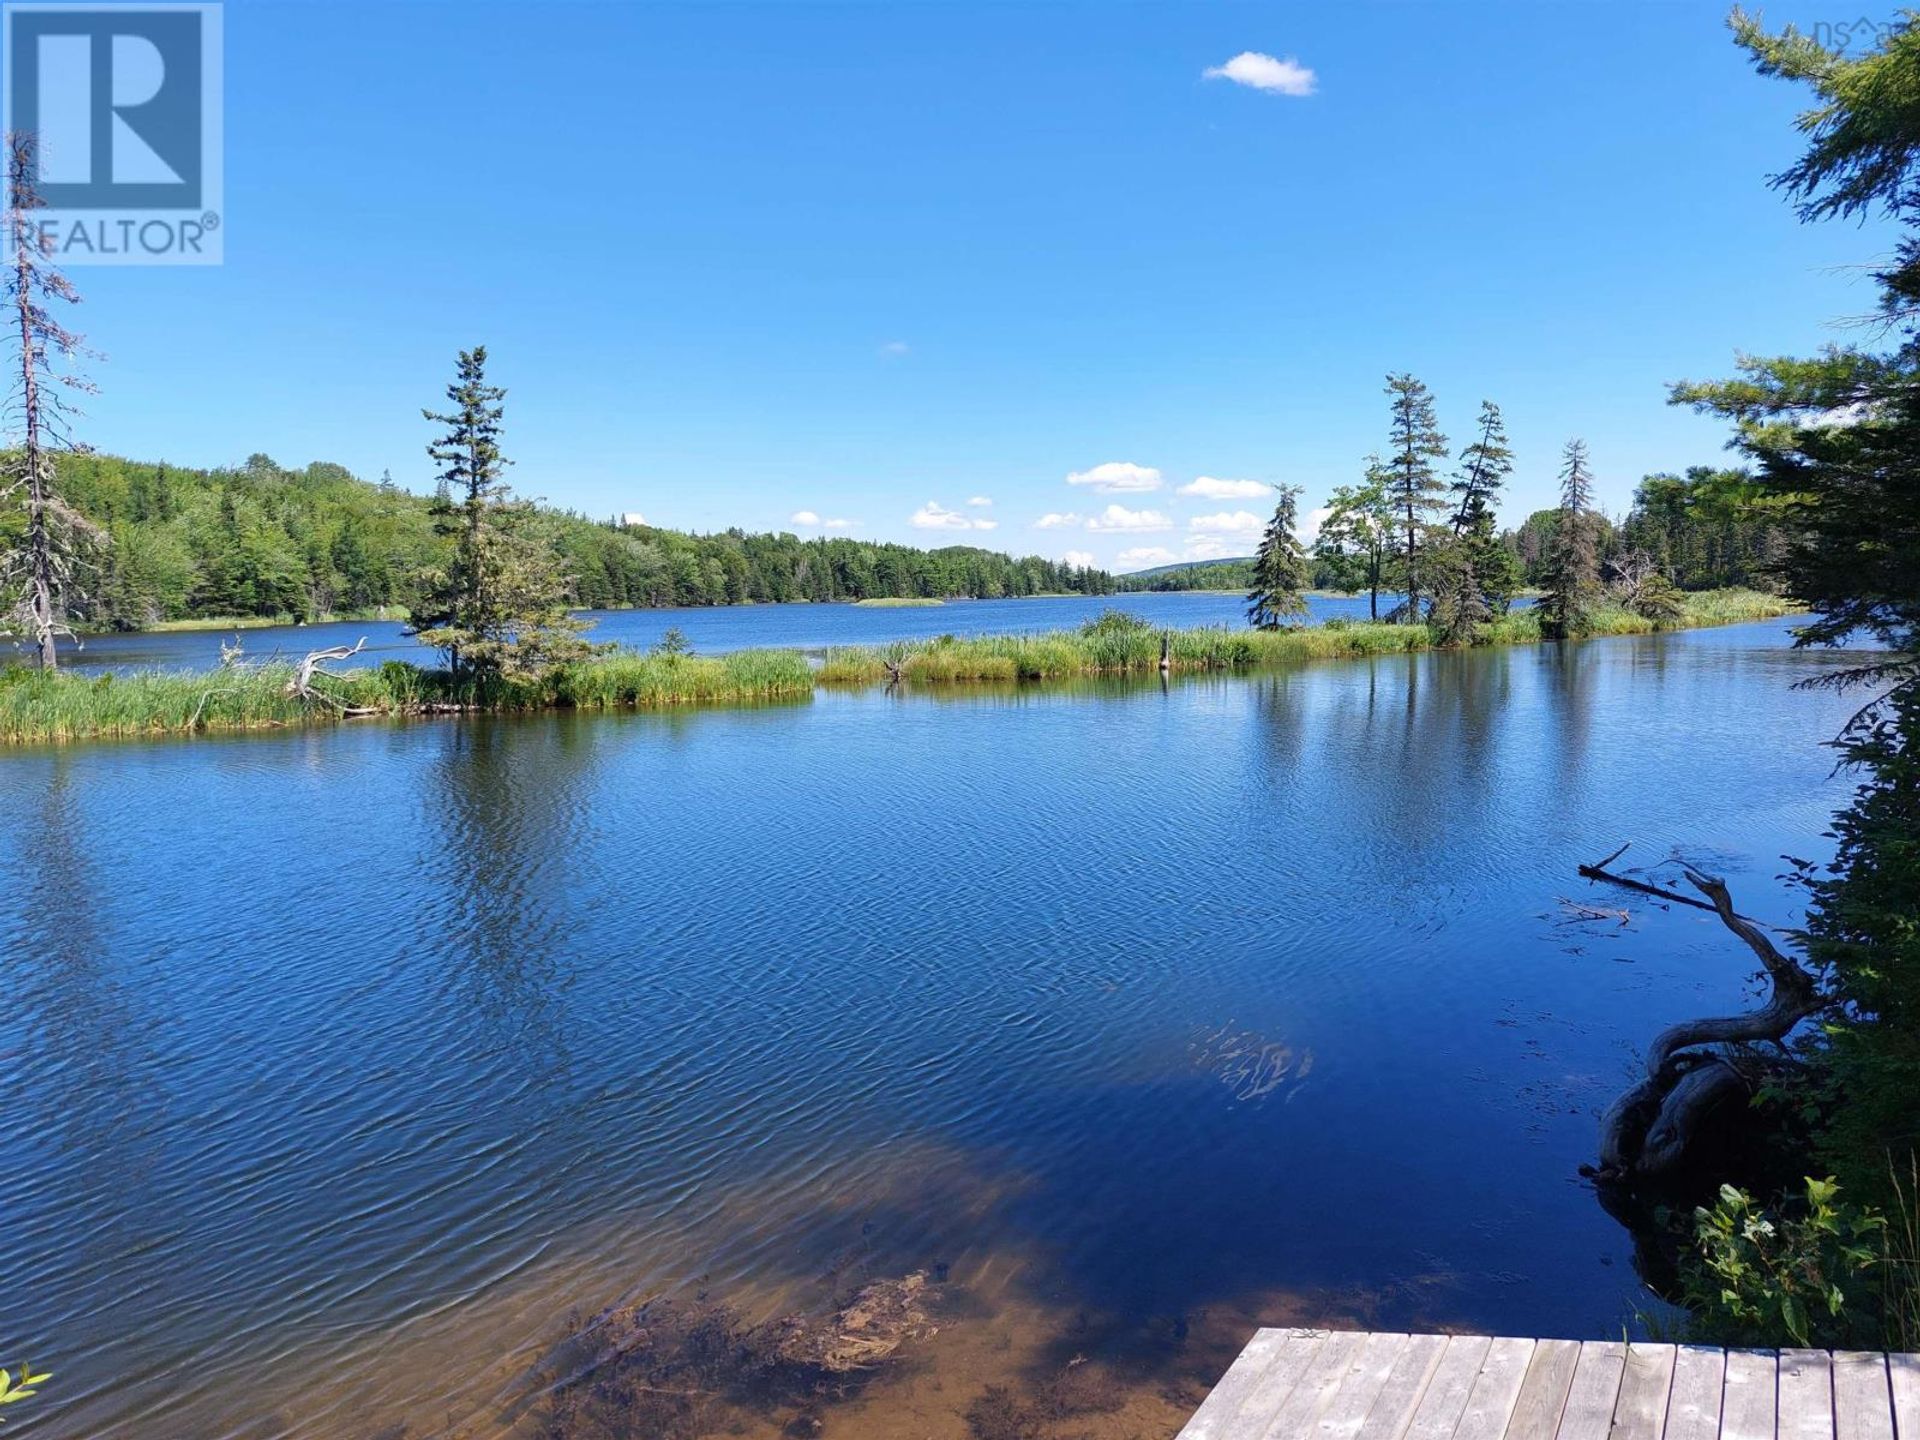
{"x": 66, "y": 707}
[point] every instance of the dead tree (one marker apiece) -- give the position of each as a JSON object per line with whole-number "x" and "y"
{"x": 1645, "y": 1133}
{"x": 44, "y": 574}
{"x": 301, "y": 686}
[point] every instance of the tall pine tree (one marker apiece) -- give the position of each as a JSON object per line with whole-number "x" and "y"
{"x": 1480, "y": 559}
{"x": 1280, "y": 571}
{"x": 500, "y": 607}
{"x": 1573, "y": 566}
{"x": 1415, "y": 489}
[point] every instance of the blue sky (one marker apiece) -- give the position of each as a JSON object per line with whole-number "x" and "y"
{"x": 872, "y": 263}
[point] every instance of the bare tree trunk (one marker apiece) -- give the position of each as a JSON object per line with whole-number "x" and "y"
{"x": 39, "y": 542}
{"x": 1645, "y": 1133}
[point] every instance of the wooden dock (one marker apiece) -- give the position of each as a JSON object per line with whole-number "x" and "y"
{"x": 1353, "y": 1385}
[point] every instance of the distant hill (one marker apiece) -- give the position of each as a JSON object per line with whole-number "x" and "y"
{"x": 260, "y": 540}
{"x": 1233, "y": 574}
{"x": 1185, "y": 565}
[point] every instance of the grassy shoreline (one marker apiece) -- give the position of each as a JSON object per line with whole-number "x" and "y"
{"x": 38, "y": 708}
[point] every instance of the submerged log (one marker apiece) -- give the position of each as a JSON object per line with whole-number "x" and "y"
{"x": 1646, "y": 1133}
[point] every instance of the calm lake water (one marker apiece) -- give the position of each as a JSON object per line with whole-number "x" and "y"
{"x": 340, "y": 1066}
{"x": 718, "y": 629}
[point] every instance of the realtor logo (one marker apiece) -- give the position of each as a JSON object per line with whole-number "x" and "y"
{"x": 123, "y": 106}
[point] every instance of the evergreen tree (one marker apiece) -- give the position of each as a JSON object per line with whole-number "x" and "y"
{"x": 1280, "y": 573}
{"x": 1356, "y": 539}
{"x": 1485, "y": 466}
{"x": 1850, "y": 498}
{"x": 1573, "y": 569}
{"x": 1415, "y": 489}
{"x": 48, "y": 577}
{"x": 500, "y": 607}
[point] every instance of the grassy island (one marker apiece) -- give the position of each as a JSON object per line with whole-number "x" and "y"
{"x": 63, "y": 706}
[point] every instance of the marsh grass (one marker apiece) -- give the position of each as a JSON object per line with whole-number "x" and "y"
{"x": 65, "y": 706}
{"x": 1098, "y": 649}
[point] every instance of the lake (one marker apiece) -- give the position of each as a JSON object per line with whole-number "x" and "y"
{"x": 341, "y": 1066}
{"x": 714, "y": 630}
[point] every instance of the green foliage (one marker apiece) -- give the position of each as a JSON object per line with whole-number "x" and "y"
{"x": 1813, "y": 1273}
{"x": 673, "y": 642}
{"x": 1113, "y": 622}
{"x": 1277, "y": 592}
{"x": 23, "y": 1385}
{"x": 500, "y": 607}
{"x": 1835, "y": 444}
{"x": 1355, "y": 543}
{"x": 1573, "y": 569}
{"x": 1706, "y": 529}
{"x": 1416, "y": 492}
{"x": 261, "y": 540}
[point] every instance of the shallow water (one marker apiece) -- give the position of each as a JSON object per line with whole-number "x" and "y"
{"x": 340, "y": 1065}
{"x": 713, "y": 630}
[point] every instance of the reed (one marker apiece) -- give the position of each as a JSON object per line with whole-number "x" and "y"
{"x": 65, "y": 706}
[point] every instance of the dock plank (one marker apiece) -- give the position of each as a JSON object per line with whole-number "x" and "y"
{"x": 1640, "y": 1413}
{"x": 1903, "y": 1373}
{"x": 1495, "y": 1389}
{"x": 1862, "y": 1396}
{"x": 1301, "y": 1384}
{"x": 1693, "y": 1407}
{"x": 1596, "y": 1386}
{"x": 1366, "y": 1377}
{"x": 1299, "y": 1410}
{"x": 1749, "y": 1405}
{"x": 1446, "y": 1398}
{"x": 1406, "y": 1387}
{"x": 1543, "y": 1396}
{"x": 1267, "y": 1349}
{"x": 1806, "y": 1395}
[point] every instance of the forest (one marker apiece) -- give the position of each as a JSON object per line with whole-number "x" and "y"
{"x": 262, "y": 540}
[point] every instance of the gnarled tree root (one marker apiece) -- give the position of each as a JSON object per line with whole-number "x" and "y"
{"x": 1647, "y": 1132}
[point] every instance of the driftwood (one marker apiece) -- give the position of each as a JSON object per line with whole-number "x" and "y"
{"x": 301, "y": 686}
{"x": 1598, "y": 871}
{"x": 1646, "y": 1132}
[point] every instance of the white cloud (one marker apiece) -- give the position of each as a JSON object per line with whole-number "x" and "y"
{"x": 1310, "y": 530}
{"x": 1208, "y": 488}
{"x": 810, "y": 520}
{"x": 1263, "y": 72}
{"x": 1205, "y": 547}
{"x": 980, "y": 501}
{"x": 1080, "y": 559}
{"x": 1229, "y": 522}
{"x": 1057, "y": 520}
{"x": 894, "y": 349}
{"x": 935, "y": 516}
{"x": 1144, "y": 555}
{"x": 1118, "y": 517}
{"x": 1118, "y": 477}
{"x": 981, "y": 522}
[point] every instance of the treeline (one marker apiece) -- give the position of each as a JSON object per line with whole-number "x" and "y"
{"x": 1705, "y": 530}
{"x": 261, "y": 540}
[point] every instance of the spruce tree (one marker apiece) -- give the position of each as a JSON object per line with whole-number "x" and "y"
{"x": 1474, "y": 556}
{"x": 1280, "y": 571}
{"x": 1416, "y": 490}
{"x": 1573, "y": 566}
{"x": 499, "y": 609}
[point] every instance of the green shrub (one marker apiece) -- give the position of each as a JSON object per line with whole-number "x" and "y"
{"x": 1819, "y": 1273}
